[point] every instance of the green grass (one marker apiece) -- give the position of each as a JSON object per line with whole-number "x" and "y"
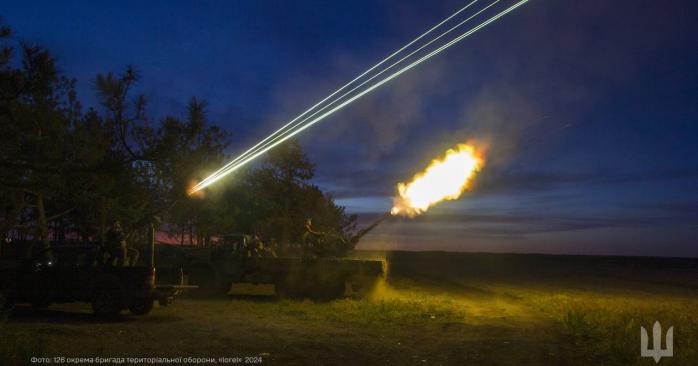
{"x": 18, "y": 350}
{"x": 381, "y": 310}
{"x": 608, "y": 327}
{"x": 448, "y": 309}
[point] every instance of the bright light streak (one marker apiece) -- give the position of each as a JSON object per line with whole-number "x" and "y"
{"x": 333, "y": 94}
{"x": 231, "y": 168}
{"x": 269, "y": 140}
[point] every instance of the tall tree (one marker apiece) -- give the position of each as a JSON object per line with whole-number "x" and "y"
{"x": 74, "y": 172}
{"x": 38, "y": 112}
{"x": 275, "y": 199}
{"x": 185, "y": 150}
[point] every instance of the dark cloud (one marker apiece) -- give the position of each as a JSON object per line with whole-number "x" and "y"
{"x": 685, "y": 210}
{"x": 658, "y": 236}
{"x": 368, "y": 183}
{"x": 512, "y": 224}
{"x": 508, "y": 181}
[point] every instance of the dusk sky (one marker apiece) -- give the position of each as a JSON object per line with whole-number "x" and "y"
{"x": 590, "y": 107}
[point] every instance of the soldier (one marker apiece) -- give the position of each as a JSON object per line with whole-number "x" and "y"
{"x": 254, "y": 247}
{"x": 317, "y": 243}
{"x": 267, "y": 249}
{"x": 311, "y": 237}
{"x": 115, "y": 245}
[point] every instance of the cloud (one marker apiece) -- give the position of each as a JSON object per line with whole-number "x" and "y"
{"x": 658, "y": 235}
{"x": 506, "y": 225}
{"x": 502, "y": 117}
{"x": 511, "y": 181}
{"x": 529, "y": 101}
{"x": 505, "y": 180}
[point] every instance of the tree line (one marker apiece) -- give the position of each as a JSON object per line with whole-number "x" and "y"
{"x": 67, "y": 173}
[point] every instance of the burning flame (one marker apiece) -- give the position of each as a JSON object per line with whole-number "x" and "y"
{"x": 443, "y": 179}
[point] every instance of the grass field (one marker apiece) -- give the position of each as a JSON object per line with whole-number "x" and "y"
{"x": 434, "y": 309}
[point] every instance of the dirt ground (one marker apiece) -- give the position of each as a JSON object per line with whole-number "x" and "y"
{"x": 435, "y": 309}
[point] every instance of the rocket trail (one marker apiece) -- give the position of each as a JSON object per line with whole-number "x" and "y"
{"x": 248, "y": 156}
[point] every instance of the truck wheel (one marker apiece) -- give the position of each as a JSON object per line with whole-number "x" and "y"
{"x": 141, "y": 307}
{"x": 106, "y": 302}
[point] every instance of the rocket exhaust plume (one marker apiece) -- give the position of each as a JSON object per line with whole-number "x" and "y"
{"x": 443, "y": 180}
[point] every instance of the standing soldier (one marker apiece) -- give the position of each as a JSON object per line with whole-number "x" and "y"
{"x": 115, "y": 244}
{"x": 313, "y": 240}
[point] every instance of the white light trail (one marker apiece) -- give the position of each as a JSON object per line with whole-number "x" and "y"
{"x": 245, "y": 158}
{"x": 334, "y": 93}
{"x": 271, "y": 139}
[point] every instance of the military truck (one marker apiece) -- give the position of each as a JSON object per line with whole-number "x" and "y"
{"x": 238, "y": 259}
{"x": 75, "y": 273}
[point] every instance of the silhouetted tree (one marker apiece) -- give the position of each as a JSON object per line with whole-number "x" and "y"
{"x": 72, "y": 173}
{"x": 275, "y": 199}
{"x": 38, "y": 115}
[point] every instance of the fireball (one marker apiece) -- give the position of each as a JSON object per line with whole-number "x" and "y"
{"x": 444, "y": 179}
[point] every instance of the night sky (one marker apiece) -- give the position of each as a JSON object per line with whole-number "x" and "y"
{"x": 591, "y": 107}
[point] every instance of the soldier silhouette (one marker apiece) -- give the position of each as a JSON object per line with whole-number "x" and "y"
{"x": 115, "y": 245}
